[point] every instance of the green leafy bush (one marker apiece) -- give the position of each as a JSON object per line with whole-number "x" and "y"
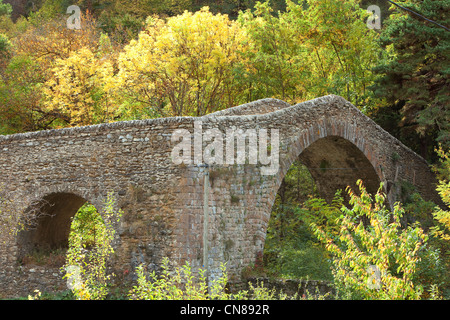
{"x": 183, "y": 284}
{"x": 88, "y": 252}
{"x": 177, "y": 285}
{"x": 88, "y": 225}
{"x": 371, "y": 239}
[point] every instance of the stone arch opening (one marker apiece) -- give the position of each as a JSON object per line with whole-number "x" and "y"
{"x": 335, "y": 163}
{"x": 50, "y": 232}
{"x": 328, "y": 164}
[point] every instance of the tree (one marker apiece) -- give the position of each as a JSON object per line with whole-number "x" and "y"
{"x": 5, "y": 9}
{"x": 290, "y": 248}
{"x": 49, "y": 40}
{"x": 341, "y": 48}
{"x": 441, "y": 216}
{"x": 5, "y": 51}
{"x": 35, "y": 52}
{"x": 77, "y": 88}
{"x": 182, "y": 65}
{"x": 414, "y": 78}
{"x": 314, "y": 48}
{"x": 5, "y": 44}
{"x": 21, "y": 108}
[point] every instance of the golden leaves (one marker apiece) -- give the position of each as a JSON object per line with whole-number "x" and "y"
{"x": 187, "y": 59}
{"x": 77, "y": 89}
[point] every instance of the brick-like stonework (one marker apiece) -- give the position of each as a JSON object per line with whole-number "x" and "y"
{"x": 163, "y": 202}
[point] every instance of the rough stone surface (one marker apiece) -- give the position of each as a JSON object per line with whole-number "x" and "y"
{"x": 163, "y": 202}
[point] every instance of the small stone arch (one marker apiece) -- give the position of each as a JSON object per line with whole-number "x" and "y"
{"x": 51, "y": 228}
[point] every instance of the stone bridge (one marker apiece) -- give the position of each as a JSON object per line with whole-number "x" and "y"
{"x": 156, "y": 170}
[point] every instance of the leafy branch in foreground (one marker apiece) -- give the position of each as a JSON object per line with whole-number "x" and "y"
{"x": 86, "y": 262}
{"x": 371, "y": 238}
{"x": 181, "y": 284}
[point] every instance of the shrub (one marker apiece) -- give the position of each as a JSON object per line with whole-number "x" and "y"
{"x": 178, "y": 285}
{"x": 181, "y": 283}
{"x": 376, "y": 259}
{"x": 88, "y": 266}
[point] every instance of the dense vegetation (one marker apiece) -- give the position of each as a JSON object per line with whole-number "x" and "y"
{"x": 309, "y": 238}
{"x": 151, "y": 58}
{"x": 141, "y": 59}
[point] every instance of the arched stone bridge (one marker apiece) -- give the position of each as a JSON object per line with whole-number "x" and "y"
{"x": 163, "y": 200}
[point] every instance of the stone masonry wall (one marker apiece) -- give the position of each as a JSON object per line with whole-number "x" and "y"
{"x": 163, "y": 202}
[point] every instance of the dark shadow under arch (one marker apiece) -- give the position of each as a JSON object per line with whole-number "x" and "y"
{"x": 336, "y": 163}
{"x": 51, "y": 230}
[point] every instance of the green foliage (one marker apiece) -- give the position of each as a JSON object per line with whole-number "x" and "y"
{"x": 36, "y": 50}
{"x": 5, "y": 9}
{"x": 87, "y": 224}
{"x": 296, "y": 187}
{"x": 276, "y": 65}
{"x": 5, "y": 52}
{"x": 311, "y": 49}
{"x": 301, "y": 260}
{"x": 5, "y": 45}
{"x": 414, "y": 75}
{"x": 442, "y": 169}
{"x": 45, "y": 257}
{"x": 122, "y": 28}
{"x": 18, "y": 103}
{"x": 90, "y": 246}
{"x": 291, "y": 250}
{"x": 181, "y": 66}
{"x": 182, "y": 284}
{"x": 442, "y": 216}
{"x": 441, "y": 230}
{"x": 341, "y": 48}
{"x": 418, "y": 210}
{"x": 371, "y": 235}
{"x": 292, "y": 50}
{"x": 76, "y": 88}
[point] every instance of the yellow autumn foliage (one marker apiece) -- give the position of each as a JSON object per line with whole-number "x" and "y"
{"x": 77, "y": 88}
{"x": 182, "y": 65}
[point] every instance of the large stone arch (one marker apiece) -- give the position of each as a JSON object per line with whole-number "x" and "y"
{"x": 333, "y": 161}
{"x": 355, "y": 141}
{"x": 305, "y": 128}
